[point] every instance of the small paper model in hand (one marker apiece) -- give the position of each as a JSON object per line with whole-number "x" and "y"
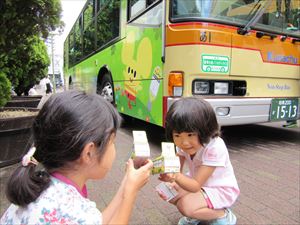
{"x": 167, "y": 162}
{"x": 166, "y": 190}
{"x": 141, "y": 149}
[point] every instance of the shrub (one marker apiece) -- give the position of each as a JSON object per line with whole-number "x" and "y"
{"x": 5, "y": 88}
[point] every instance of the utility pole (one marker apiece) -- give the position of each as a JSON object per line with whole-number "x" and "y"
{"x": 52, "y": 60}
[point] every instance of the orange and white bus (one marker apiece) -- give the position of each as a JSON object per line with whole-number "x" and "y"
{"x": 242, "y": 56}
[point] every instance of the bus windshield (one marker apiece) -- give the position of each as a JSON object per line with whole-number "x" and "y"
{"x": 278, "y": 16}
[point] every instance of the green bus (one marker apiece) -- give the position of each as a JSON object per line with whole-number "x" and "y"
{"x": 141, "y": 55}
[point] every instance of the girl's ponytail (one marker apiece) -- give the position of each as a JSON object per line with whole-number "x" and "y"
{"x": 26, "y": 183}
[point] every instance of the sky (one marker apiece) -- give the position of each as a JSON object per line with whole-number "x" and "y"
{"x": 70, "y": 12}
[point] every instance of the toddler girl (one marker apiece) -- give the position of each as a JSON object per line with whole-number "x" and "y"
{"x": 210, "y": 188}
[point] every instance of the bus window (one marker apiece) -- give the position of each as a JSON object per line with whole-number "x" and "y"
{"x": 150, "y": 2}
{"x": 101, "y": 3}
{"x": 66, "y": 60}
{"x": 151, "y": 17}
{"x": 88, "y": 29}
{"x": 136, "y": 7}
{"x": 77, "y": 40}
{"x": 88, "y": 14}
{"x": 71, "y": 48}
{"x": 108, "y": 23}
{"x": 282, "y": 16}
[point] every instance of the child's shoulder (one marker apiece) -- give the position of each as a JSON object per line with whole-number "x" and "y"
{"x": 216, "y": 144}
{"x": 216, "y": 141}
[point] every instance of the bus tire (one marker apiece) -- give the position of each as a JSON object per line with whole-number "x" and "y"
{"x": 105, "y": 88}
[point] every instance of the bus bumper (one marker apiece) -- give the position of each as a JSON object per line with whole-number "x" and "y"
{"x": 241, "y": 110}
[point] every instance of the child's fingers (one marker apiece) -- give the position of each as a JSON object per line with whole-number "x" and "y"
{"x": 161, "y": 177}
{"x": 129, "y": 164}
{"x": 172, "y": 185}
{"x": 175, "y": 186}
{"x": 161, "y": 195}
{"x": 148, "y": 165}
{"x": 164, "y": 177}
{"x": 144, "y": 163}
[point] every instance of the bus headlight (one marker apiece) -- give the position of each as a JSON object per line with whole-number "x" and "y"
{"x": 221, "y": 88}
{"x": 201, "y": 87}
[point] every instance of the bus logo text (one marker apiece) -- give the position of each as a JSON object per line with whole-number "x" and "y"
{"x": 282, "y": 58}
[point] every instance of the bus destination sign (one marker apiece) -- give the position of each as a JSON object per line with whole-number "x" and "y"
{"x": 215, "y": 63}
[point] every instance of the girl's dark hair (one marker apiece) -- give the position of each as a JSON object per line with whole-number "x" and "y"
{"x": 65, "y": 124}
{"x": 192, "y": 115}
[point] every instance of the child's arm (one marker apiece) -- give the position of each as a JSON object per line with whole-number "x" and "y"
{"x": 110, "y": 210}
{"x": 120, "y": 208}
{"x": 194, "y": 184}
{"x": 182, "y": 160}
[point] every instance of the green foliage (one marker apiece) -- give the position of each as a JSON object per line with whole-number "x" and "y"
{"x": 5, "y": 88}
{"x": 29, "y": 65}
{"x": 21, "y": 19}
{"x": 23, "y": 56}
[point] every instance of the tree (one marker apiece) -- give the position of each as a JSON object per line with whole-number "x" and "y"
{"x": 22, "y": 24}
{"x": 4, "y": 89}
{"x": 21, "y": 19}
{"x": 29, "y": 64}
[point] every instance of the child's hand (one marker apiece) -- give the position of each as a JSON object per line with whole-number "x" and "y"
{"x": 167, "y": 177}
{"x": 137, "y": 178}
{"x": 164, "y": 197}
{"x": 166, "y": 190}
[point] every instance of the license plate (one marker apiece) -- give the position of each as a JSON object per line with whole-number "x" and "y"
{"x": 284, "y": 109}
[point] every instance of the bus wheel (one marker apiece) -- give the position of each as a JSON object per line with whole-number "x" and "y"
{"x": 105, "y": 89}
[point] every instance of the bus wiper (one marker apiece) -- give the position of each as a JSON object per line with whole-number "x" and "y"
{"x": 260, "y": 11}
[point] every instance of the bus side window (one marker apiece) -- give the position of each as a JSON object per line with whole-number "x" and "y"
{"x": 136, "y": 6}
{"x": 108, "y": 21}
{"x": 88, "y": 28}
{"x": 149, "y": 2}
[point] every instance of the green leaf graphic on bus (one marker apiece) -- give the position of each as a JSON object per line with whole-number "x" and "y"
{"x": 215, "y": 63}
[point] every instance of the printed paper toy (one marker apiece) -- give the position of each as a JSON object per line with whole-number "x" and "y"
{"x": 141, "y": 149}
{"x": 167, "y": 162}
{"x": 166, "y": 190}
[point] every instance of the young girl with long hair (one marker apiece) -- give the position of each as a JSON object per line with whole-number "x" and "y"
{"x": 74, "y": 135}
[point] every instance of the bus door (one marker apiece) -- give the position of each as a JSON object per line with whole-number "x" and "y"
{"x": 141, "y": 56}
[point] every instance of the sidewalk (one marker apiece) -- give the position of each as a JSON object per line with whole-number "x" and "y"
{"x": 266, "y": 163}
